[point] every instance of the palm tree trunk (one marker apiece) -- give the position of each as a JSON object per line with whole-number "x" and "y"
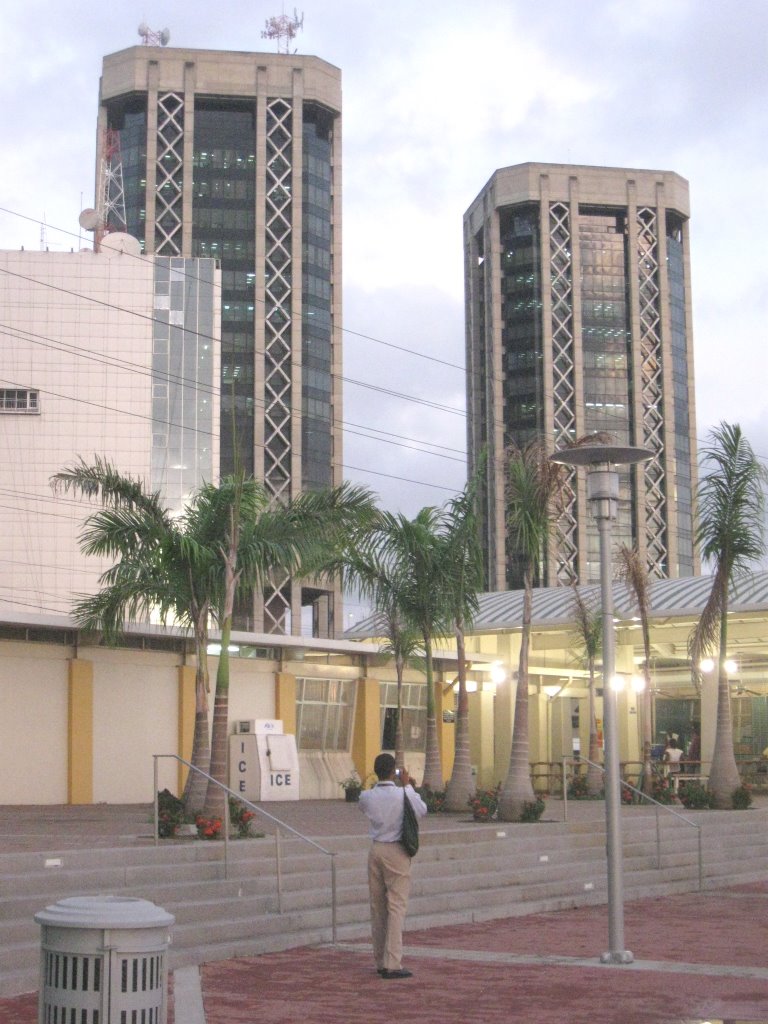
{"x": 518, "y": 788}
{"x": 647, "y": 712}
{"x": 215, "y": 800}
{"x": 399, "y": 738}
{"x": 433, "y": 772}
{"x": 724, "y": 773}
{"x": 215, "y": 796}
{"x": 461, "y": 785}
{"x": 196, "y": 786}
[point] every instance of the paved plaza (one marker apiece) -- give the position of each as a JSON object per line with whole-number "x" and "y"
{"x": 698, "y": 957}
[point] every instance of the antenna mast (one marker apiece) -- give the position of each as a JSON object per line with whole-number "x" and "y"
{"x": 150, "y": 38}
{"x": 111, "y": 197}
{"x": 283, "y": 27}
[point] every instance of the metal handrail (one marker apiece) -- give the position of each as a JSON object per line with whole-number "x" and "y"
{"x": 651, "y": 800}
{"x": 257, "y": 810}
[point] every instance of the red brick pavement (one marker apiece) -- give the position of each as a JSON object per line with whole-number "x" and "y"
{"x": 339, "y": 986}
{"x": 329, "y": 986}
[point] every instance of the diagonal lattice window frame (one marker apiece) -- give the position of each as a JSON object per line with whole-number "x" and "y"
{"x": 652, "y": 391}
{"x": 169, "y": 174}
{"x": 563, "y": 381}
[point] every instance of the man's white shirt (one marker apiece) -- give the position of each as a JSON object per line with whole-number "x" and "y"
{"x": 383, "y": 806}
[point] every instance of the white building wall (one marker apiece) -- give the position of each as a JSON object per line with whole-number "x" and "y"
{"x": 135, "y": 716}
{"x": 33, "y": 724}
{"x": 78, "y": 330}
{"x": 71, "y": 342}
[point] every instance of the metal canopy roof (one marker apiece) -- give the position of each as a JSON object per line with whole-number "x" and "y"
{"x": 502, "y": 611}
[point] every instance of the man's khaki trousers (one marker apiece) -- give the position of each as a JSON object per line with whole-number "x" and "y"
{"x": 389, "y": 881}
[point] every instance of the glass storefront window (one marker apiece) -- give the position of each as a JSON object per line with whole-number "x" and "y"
{"x": 324, "y": 713}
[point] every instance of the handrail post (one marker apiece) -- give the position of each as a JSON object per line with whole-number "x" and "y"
{"x": 155, "y": 802}
{"x": 258, "y": 810}
{"x": 279, "y": 869}
{"x": 226, "y": 836}
{"x": 658, "y": 840}
{"x": 565, "y": 789}
{"x": 701, "y": 862}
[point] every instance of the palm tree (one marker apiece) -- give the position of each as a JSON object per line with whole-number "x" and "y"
{"x": 634, "y": 572}
{"x": 463, "y": 573}
{"x": 589, "y": 636}
{"x": 161, "y": 568}
{"x": 730, "y": 534}
{"x": 397, "y": 562}
{"x": 417, "y": 542}
{"x": 403, "y": 644}
{"x": 259, "y": 539}
{"x": 533, "y": 497}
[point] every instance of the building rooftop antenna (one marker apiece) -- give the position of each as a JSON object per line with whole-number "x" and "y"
{"x": 283, "y": 28}
{"x": 150, "y": 38}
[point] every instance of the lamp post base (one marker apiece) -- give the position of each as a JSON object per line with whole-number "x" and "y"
{"x": 623, "y": 956}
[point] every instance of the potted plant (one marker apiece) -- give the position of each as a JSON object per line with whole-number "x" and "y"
{"x": 352, "y": 787}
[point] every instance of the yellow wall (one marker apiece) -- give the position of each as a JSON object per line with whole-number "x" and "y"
{"x": 446, "y": 731}
{"x": 285, "y": 701}
{"x": 366, "y": 734}
{"x": 80, "y": 733}
{"x": 186, "y": 723}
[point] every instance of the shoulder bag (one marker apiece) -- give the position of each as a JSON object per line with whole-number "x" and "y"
{"x": 410, "y": 838}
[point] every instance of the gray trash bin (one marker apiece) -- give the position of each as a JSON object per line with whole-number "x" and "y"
{"x": 103, "y": 960}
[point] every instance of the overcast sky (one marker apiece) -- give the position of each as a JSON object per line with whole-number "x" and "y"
{"x": 437, "y": 95}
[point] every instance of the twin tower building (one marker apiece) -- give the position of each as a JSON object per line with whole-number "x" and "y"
{"x": 577, "y": 306}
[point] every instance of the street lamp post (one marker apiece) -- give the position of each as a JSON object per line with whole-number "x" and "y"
{"x": 603, "y": 495}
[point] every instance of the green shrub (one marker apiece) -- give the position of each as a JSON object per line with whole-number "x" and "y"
{"x": 742, "y": 797}
{"x": 170, "y": 812}
{"x": 532, "y": 810}
{"x": 485, "y": 804}
{"x": 434, "y": 799}
{"x": 240, "y": 817}
{"x": 694, "y": 796}
{"x": 577, "y": 789}
{"x": 662, "y": 790}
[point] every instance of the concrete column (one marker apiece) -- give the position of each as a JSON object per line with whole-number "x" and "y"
{"x": 285, "y": 701}
{"x": 708, "y": 716}
{"x": 446, "y": 731}
{"x": 481, "y": 738}
{"x": 80, "y": 732}
{"x": 366, "y": 732}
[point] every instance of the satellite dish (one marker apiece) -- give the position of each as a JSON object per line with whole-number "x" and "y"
{"x": 164, "y": 37}
{"x": 89, "y": 219}
{"x": 115, "y": 242}
{"x": 144, "y": 30}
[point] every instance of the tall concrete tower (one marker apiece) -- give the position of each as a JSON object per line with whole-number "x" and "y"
{"x": 578, "y": 310}
{"x": 237, "y": 156}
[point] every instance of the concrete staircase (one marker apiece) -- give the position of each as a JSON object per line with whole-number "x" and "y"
{"x": 463, "y": 873}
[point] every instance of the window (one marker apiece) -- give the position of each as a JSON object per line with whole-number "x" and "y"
{"x": 414, "y": 705}
{"x": 19, "y": 400}
{"x": 324, "y": 713}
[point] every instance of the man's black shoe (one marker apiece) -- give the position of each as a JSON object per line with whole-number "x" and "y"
{"x": 401, "y": 973}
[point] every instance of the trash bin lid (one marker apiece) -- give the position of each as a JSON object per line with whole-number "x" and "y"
{"x": 104, "y": 912}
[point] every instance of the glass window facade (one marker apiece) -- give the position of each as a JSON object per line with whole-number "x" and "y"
{"x": 607, "y": 364}
{"x": 224, "y": 228}
{"x": 317, "y": 320}
{"x": 183, "y": 384}
{"x": 414, "y": 710}
{"x": 324, "y": 713}
{"x": 521, "y": 332}
{"x": 129, "y": 118}
{"x": 682, "y": 423}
